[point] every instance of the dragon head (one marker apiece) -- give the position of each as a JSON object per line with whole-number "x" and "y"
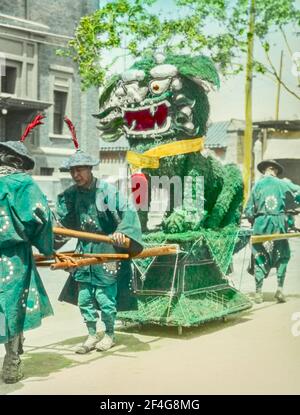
{"x": 158, "y": 97}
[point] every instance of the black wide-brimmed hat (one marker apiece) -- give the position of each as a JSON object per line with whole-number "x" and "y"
{"x": 263, "y": 165}
{"x": 18, "y": 147}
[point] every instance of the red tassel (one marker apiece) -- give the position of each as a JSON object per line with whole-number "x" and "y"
{"x": 37, "y": 121}
{"x": 73, "y": 132}
{"x": 139, "y": 188}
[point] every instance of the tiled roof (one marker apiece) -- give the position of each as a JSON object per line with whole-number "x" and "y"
{"x": 119, "y": 145}
{"x": 216, "y": 136}
{"x": 289, "y": 125}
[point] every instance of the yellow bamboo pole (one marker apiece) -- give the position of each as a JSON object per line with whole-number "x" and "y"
{"x": 247, "y": 173}
{"x": 257, "y": 239}
{"x": 278, "y": 88}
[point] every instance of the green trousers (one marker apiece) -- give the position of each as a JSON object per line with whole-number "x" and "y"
{"x": 273, "y": 254}
{"x": 92, "y": 298}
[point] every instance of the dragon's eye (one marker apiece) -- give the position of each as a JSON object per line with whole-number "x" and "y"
{"x": 159, "y": 86}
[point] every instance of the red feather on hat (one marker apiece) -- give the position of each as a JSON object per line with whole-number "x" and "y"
{"x": 73, "y": 131}
{"x": 37, "y": 121}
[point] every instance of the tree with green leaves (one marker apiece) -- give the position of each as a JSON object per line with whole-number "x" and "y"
{"x": 138, "y": 23}
{"x": 225, "y": 30}
{"x": 245, "y": 21}
{"x": 104, "y": 31}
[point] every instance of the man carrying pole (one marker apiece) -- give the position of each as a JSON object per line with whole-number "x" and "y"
{"x": 87, "y": 206}
{"x": 267, "y": 210}
{"x": 25, "y": 221}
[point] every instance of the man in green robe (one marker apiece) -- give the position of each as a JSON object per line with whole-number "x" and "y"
{"x": 93, "y": 205}
{"x": 25, "y": 221}
{"x": 267, "y": 212}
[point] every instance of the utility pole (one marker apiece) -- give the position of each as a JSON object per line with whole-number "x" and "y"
{"x": 278, "y": 87}
{"x": 248, "y": 139}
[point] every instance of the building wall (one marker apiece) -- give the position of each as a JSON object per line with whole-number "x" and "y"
{"x": 16, "y": 8}
{"x": 285, "y": 148}
{"x": 231, "y": 151}
{"x": 63, "y": 14}
{"x": 291, "y": 169}
{"x": 49, "y": 26}
{"x": 80, "y": 108}
{"x": 113, "y": 163}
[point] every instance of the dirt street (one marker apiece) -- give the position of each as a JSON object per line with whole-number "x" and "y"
{"x": 256, "y": 352}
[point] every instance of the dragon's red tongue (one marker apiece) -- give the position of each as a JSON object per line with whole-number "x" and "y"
{"x": 145, "y": 120}
{"x": 139, "y": 188}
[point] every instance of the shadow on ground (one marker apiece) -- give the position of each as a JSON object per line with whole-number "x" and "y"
{"x": 124, "y": 342}
{"x": 206, "y": 328}
{"x": 37, "y": 365}
{"x": 41, "y": 361}
{"x": 163, "y": 331}
{"x": 42, "y": 364}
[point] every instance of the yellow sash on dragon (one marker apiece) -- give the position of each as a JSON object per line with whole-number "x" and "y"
{"x": 150, "y": 158}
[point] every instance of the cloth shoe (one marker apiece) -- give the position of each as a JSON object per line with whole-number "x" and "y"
{"x": 12, "y": 369}
{"x": 105, "y": 344}
{"x": 280, "y": 297}
{"x": 88, "y": 345}
{"x": 258, "y": 298}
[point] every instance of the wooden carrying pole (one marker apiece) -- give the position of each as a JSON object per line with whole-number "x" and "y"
{"x": 154, "y": 251}
{"x": 95, "y": 237}
{"x": 75, "y": 260}
{"x": 75, "y": 263}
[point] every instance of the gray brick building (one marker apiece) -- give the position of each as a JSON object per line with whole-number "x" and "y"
{"x": 35, "y": 79}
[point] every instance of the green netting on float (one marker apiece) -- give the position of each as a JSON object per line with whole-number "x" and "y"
{"x": 187, "y": 310}
{"x": 221, "y": 242}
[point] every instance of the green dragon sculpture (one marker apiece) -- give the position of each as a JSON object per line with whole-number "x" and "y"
{"x": 160, "y": 104}
{"x": 162, "y": 100}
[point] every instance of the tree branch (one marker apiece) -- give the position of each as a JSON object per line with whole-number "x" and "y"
{"x": 275, "y": 74}
{"x": 288, "y": 47}
{"x": 286, "y": 41}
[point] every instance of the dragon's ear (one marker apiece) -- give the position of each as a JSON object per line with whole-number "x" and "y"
{"x": 196, "y": 67}
{"x": 108, "y": 90}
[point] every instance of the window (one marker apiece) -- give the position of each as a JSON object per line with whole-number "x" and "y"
{"x": 8, "y": 81}
{"x": 60, "y": 103}
{"x": 20, "y": 64}
{"x": 46, "y": 171}
{"x": 60, "y": 93}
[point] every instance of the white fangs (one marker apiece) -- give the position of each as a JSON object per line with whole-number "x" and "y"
{"x": 133, "y": 125}
{"x": 147, "y": 133}
{"x": 146, "y": 107}
{"x": 152, "y": 108}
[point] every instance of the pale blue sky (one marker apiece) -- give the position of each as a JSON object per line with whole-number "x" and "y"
{"x": 228, "y": 102}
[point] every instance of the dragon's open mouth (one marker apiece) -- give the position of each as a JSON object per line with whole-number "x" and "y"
{"x": 152, "y": 119}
